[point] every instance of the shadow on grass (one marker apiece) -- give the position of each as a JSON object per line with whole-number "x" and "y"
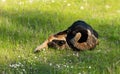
{"x": 30, "y": 69}
{"x": 109, "y": 35}
{"x": 13, "y": 35}
{"x": 29, "y": 25}
{"x": 53, "y": 21}
{"x": 35, "y": 19}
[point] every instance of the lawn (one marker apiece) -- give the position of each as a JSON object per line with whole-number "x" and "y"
{"x": 25, "y": 24}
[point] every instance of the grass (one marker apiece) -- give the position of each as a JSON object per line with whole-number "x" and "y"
{"x": 27, "y": 23}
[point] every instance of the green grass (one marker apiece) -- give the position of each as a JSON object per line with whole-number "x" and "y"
{"x": 25, "y": 25}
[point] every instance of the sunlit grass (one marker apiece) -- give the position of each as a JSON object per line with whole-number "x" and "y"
{"x": 24, "y": 24}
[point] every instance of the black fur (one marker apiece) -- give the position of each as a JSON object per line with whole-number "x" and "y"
{"x": 82, "y": 27}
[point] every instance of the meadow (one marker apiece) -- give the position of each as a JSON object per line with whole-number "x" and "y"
{"x": 25, "y": 24}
